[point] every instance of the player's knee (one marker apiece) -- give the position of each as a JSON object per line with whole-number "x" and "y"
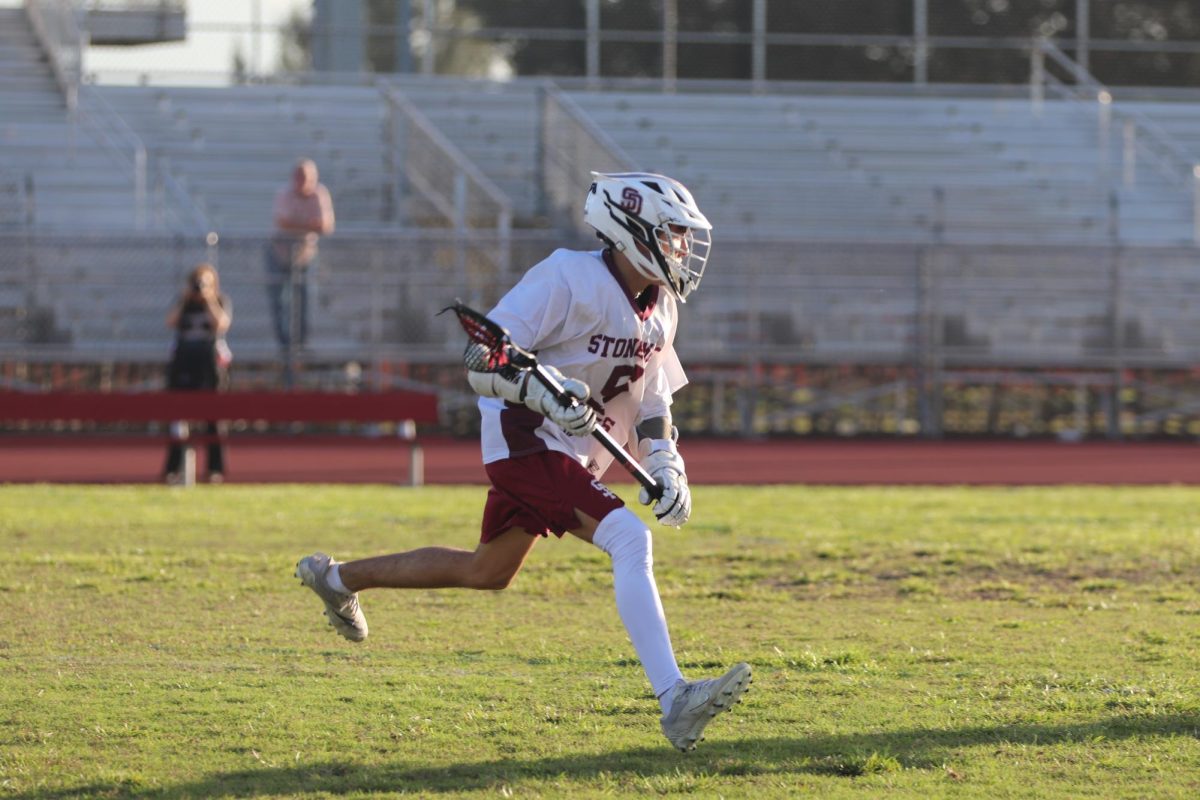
{"x": 494, "y": 583}
{"x": 625, "y": 538}
{"x": 490, "y": 577}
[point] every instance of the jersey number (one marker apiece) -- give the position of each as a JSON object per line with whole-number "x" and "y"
{"x": 621, "y": 378}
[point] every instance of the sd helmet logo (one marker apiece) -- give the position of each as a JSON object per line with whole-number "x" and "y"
{"x": 631, "y": 200}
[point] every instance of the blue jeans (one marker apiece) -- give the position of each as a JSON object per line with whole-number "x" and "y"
{"x": 288, "y": 289}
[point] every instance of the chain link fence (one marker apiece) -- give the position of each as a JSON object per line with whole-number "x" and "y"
{"x": 780, "y": 338}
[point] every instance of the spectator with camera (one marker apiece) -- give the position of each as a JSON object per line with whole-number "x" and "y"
{"x": 200, "y": 360}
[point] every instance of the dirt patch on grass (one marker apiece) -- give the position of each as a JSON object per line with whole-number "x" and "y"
{"x": 1013, "y": 581}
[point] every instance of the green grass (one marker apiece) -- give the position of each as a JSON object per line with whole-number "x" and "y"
{"x": 985, "y": 643}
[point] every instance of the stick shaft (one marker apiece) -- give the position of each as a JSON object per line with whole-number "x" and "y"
{"x": 523, "y": 359}
{"x": 623, "y": 458}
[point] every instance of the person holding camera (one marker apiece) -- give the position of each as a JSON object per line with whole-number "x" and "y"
{"x": 199, "y": 360}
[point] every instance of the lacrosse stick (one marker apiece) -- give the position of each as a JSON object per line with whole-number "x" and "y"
{"x": 494, "y": 350}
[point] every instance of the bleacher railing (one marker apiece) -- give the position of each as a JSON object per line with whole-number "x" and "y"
{"x": 159, "y": 201}
{"x": 1139, "y": 135}
{"x": 110, "y": 129}
{"x": 450, "y": 190}
{"x": 449, "y": 181}
{"x": 572, "y": 146}
{"x": 57, "y": 26}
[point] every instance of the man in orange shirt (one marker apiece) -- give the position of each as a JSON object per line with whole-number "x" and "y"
{"x": 303, "y": 212}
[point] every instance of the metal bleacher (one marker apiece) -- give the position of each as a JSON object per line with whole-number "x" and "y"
{"x": 907, "y": 169}
{"x": 233, "y": 148}
{"x": 56, "y": 175}
{"x": 779, "y": 181}
{"x": 496, "y": 125}
{"x": 71, "y": 178}
{"x": 847, "y": 219}
{"x": 27, "y": 90}
{"x": 910, "y": 169}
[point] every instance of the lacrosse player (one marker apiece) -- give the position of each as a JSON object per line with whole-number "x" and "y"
{"x": 603, "y": 323}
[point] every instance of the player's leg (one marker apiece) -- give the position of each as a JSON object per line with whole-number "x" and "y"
{"x": 491, "y": 565}
{"x": 687, "y": 706}
{"x": 528, "y": 505}
{"x": 627, "y": 541}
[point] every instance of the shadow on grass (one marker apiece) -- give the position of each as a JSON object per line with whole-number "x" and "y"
{"x": 845, "y": 755}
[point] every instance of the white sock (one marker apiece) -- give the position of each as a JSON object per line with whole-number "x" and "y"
{"x": 625, "y": 538}
{"x": 334, "y": 578}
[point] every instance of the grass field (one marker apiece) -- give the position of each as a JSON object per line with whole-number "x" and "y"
{"x": 906, "y": 643}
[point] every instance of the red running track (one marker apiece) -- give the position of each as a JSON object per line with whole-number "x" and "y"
{"x": 93, "y": 459}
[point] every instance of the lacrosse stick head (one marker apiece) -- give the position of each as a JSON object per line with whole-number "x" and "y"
{"x": 489, "y": 349}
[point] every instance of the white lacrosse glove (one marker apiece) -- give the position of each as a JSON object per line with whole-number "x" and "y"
{"x": 521, "y": 387}
{"x": 661, "y": 459}
{"x": 577, "y": 420}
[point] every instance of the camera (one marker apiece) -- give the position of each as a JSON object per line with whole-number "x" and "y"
{"x": 197, "y": 286}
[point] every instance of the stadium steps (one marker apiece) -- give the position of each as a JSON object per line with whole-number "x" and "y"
{"x": 77, "y": 183}
{"x": 495, "y": 125}
{"x": 234, "y": 148}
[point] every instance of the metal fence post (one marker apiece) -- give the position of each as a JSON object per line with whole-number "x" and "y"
{"x": 159, "y": 195}
{"x": 670, "y": 60}
{"x": 139, "y": 187}
{"x": 592, "y": 13}
{"x": 1117, "y": 327}
{"x": 30, "y": 201}
{"x": 921, "y": 46}
{"x": 928, "y": 345}
{"x": 1114, "y": 215}
{"x": 1196, "y": 204}
{"x": 1104, "y": 132}
{"x": 375, "y": 311}
{"x": 938, "y": 227}
{"x": 429, "y": 23}
{"x": 1082, "y": 33}
{"x": 539, "y": 163}
{"x": 1037, "y": 77}
{"x": 1129, "y": 153}
{"x": 758, "y": 46}
{"x": 753, "y": 369}
{"x": 937, "y": 342}
{"x": 403, "y": 24}
{"x": 459, "y": 200}
{"x": 391, "y": 200}
{"x": 920, "y": 337}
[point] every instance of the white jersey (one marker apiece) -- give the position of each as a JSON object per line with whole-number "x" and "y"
{"x": 575, "y": 312}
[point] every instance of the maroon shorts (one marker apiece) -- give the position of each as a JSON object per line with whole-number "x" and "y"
{"x": 540, "y": 492}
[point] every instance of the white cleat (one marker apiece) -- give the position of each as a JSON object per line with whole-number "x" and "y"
{"x": 343, "y": 610}
{"x": 694, "y": 704}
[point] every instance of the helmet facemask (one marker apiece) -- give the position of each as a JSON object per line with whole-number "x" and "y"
{"x": 684, "y": 254}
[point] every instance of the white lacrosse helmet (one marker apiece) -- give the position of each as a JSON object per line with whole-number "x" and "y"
{"x": 654, "y": 221}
